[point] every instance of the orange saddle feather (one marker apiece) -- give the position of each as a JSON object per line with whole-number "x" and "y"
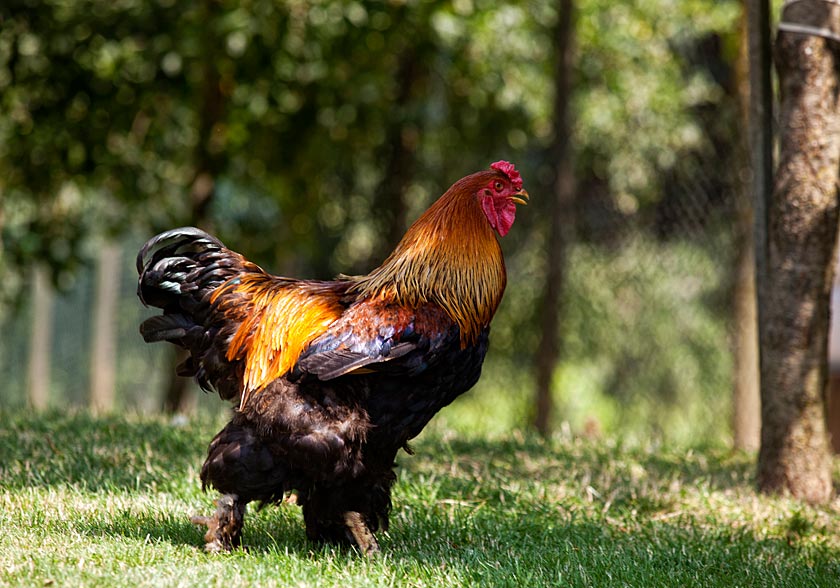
{"x": 277, "y": 318}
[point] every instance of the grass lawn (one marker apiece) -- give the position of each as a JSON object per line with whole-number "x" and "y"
{"x": 106, "y": 502}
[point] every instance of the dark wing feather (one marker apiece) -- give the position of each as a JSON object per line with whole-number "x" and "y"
{"x": 328, "y": 365}
{"x": 372, "y": 336}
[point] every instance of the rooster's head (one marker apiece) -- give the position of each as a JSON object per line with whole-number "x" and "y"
{"x": 500, "y": 190}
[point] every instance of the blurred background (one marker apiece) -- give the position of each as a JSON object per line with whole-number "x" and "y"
{"x": 308, "y": 134}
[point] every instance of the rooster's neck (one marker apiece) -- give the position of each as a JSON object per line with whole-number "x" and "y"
{"x": 449, "y": 257}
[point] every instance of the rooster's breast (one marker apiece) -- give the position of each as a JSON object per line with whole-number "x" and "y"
{"x": 400, "y": 406}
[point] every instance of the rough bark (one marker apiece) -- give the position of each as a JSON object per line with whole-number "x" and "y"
{"x": 40, "y": 344}
{"x": 103, "y": 362}
{"x": 560, "y": 220}
{"x": 802, "y": 235}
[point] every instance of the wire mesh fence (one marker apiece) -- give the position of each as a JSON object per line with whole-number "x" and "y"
{"x": 647, "y": 335}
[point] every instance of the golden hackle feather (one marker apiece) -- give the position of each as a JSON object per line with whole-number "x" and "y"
{"x": 449, "y": 257}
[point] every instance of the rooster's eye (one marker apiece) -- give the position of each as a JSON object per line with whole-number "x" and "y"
{"x": 498, "y": 186}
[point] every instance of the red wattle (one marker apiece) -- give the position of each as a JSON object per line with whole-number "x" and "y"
{"x": 506, "y": 211}
{"x": 500, "y": 213}
{"x": 490, "y": 211}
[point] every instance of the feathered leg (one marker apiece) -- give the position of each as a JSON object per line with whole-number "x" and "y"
{"x": 243, "y": 468}
{"x": 224, "y": 528}
{"x": 362, "y": 535}
{"x": 350, "y": 512}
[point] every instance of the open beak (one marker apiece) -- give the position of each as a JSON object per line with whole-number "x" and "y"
{"x": 521, "y": 197}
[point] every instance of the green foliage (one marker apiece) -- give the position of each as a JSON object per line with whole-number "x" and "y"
{"x": 91, "y": 134}
{"x": 116, "y": 108}
{"x": 299, "y": 100}
{"x": 637, "y": 88}
{"x": 91, "y": 502}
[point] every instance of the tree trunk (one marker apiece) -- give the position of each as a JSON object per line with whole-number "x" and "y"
{"x": 399, "y": 154}
{"x": 104, "y": 347}
{"x": 746, "y": 420}
{"x": 208, "y": 160}
{"x": 802, "y": 235}
{"x": 746, "y": 413}
{"x": 560, "y": 219}
{"x": 40, "y": 344}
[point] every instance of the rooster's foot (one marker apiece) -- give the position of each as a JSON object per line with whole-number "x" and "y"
{"x": 361, "y": 534}
{"x": 224, "y": 528}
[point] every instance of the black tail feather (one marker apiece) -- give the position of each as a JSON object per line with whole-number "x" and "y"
{"x": 179, "y": 271}
{"x": 166, "y": 262}
{"x": 175, "y": 242}
{"x": 166, "y": 327}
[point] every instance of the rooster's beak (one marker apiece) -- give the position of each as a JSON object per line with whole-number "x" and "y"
{"x": 521, "y": 197}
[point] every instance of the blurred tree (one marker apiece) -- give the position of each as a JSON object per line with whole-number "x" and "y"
{"x": 89, "y": 114}
{"x": 88, "y": 105}
{"x": 643, "y": 82}
{"x": 638, "y": 87}
{"x": 40, "y": 343}
{"x": 103, "y": 350}
{"x": 399, "y": 151}
{"x": 561, "y": 217}
{"x": 802, "y": 244}
{"x": 756, "y": 100}
{"x": 208, "y": 92}
{"x": 42, "y": 234}
{"x": 746, "y": 410}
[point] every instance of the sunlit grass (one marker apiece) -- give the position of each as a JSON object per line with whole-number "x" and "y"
{"x": 98, "y": 502}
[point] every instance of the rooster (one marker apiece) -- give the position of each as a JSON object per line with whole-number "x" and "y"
{"x": 332, "y": 378}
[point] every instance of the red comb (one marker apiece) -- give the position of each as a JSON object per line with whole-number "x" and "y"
{"x": 510, "y": 171}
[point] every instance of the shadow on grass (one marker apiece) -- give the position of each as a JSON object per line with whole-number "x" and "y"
{"x": 575, "y": 475}
{"x": 587, "y": 552}
{"x": 114, "y": 453}
{"x": 482, "y": 508}
{"x": 264, "y": 532}
{"x": 499, "y": 549}
{"x": 97, "y": 453}
{"x": 528, "y": 457}
{"x": 142, "y": 527}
